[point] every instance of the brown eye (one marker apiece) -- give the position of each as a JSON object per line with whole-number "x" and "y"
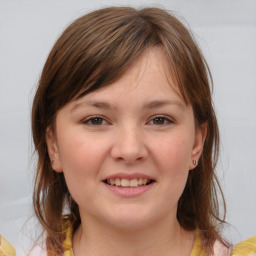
{"x": 95, "y": 121}
{"x": 160, "y": 120}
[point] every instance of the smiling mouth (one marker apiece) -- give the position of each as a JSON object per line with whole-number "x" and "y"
{"x": 128, "y": 183}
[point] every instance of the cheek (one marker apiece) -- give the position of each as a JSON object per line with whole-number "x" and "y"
{"x": 173, "y": 158}
{"x": 174, "y": 152}
{"x": 80, "y": 153}
{"x": 81, "y": 160}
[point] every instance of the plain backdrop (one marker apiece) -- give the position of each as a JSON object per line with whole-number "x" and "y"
{"x": 226, "y": 32}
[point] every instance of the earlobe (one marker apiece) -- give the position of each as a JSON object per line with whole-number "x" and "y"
{"x": 198, "y": 146}
{"x": 53, "y": 150}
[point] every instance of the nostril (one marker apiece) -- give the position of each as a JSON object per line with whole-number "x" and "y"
{"x": 129, "y": 149}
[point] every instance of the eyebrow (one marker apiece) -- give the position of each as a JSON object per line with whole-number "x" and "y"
{"x": 100, "y": 105}
{"x": 162, "y": 103}
{"x": 148, "y": 105}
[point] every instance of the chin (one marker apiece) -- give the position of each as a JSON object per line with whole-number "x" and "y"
{"x": 130, "y": 225}
{"x": 131, "y": 219}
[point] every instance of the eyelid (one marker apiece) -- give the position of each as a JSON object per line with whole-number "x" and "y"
{"x": 167, "y": 118}
{"x": 89, "y": 118}
{"x": 106, "y": 122}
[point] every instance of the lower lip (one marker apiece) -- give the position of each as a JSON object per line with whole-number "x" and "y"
{"x": 131, "y": 191}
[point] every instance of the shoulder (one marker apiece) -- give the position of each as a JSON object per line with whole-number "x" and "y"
{"x": 38, "y": 251}
{"x": 220, "y": 250}
{"x": 6, "y": 249}
{"x": 67, "y": 243}
{"x": 245, "y": 248}
{"x": 40, "y": 248}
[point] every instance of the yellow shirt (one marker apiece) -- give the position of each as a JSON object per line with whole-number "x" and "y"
{"x": 6, "y": 249}
{"x": 245, "y": 248}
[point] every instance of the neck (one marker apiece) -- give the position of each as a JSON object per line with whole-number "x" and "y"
{"x": 164, "y": 238}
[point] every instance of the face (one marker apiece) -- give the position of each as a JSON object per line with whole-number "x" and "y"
{"x": 126, "y": 149}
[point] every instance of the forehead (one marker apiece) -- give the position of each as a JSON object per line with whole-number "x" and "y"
{"x": 150, "y": 76}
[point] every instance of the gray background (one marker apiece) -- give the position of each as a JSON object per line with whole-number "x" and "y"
{"x": 225, "y": 30}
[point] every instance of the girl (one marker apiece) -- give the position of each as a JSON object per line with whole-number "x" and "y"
{"x": 127, "y": 140}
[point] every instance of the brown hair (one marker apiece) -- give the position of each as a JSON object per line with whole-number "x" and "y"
{"x": 96, "y": 50}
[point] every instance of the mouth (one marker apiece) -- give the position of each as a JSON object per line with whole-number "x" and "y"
{"x": 128, "y": 183}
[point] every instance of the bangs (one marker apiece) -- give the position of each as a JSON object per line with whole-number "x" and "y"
{"x": 98, "y": 52}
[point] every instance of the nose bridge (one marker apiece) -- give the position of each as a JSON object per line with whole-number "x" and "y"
{"x": 129, "y": 144}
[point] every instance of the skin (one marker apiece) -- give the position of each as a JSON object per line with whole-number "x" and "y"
{"x": 142, "y": 126}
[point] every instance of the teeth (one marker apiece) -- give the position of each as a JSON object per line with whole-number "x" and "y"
{"x": 125, "y": 183}
{"x": 117, "y": 182}
{"x": 128, "y": 183}
{"x": 144, "y": 181}
{"x": 133, "y": 183}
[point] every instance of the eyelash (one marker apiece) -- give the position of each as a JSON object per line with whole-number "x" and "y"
{"x": 91, "y": 119}
{"x": 165, "y": 119}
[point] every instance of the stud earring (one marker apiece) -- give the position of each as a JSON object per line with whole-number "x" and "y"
{"x": 52, "y": 163}
{"x": 194, "y": 162}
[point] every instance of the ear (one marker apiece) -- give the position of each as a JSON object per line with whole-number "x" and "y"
{"x": 53, "y": 151}
{"x": 200, "y": 135}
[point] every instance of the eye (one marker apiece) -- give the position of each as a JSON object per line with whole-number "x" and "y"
{"x": 160, "y": 120}
{"x": 95, "y": 120}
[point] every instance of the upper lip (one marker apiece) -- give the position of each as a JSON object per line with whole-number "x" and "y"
{"x": 129, "y": 176}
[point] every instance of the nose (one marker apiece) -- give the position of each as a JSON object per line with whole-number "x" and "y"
{"x": 129, "y": 146}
